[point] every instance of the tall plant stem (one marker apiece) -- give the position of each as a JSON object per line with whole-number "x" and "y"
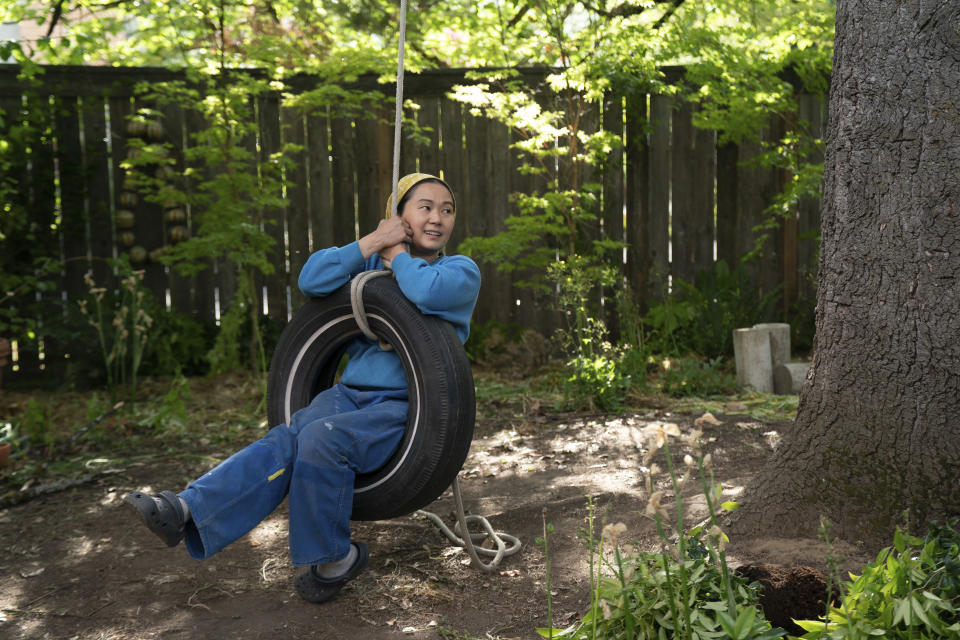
{"x": 720, "y": 554}
{"x": 681, "y": 542}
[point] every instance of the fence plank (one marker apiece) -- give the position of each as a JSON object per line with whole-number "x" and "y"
{"x": 429, "y": 119}
{"x": 205, "y": 288}
{"x": 320, "y": 171}
{"x": 274, "y": 218}
{"x": 19, "y": 256}
{"x": 451, "y": 166}
{"x": 756, "y": 190}
{"x": 476, "y": 223}
{"x": 183, "y": 293}
{"x": 297, "y": 188}
{"x": 344, "y": 212}
{"x": 147, "y": 229}
{"x": 658, "y": 220}
{"x": 369, "y": 206}
{"x": 728, "y": 228}
{"x": 42, "y": 211}
{"x": 613, "y": 197}
{"x": 692, "y": 196}
{"x": 637, "y": 157}
{"x": 96, "y": 176}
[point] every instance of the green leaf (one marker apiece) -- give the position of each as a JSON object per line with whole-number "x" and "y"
{"x": 730, "y": 505}
{"x": 901, "y": 611}
{"x": 744, "y": 622}
{"x": 917, "y": 609}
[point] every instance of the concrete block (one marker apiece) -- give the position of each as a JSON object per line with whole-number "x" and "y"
{"x": 751, "y": 351}
{"x": 788, "y": 378}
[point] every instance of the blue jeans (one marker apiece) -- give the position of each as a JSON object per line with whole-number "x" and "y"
{"x": 341, "y": 433}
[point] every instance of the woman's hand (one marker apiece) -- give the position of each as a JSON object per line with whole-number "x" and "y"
{"x": 388, "y": 239}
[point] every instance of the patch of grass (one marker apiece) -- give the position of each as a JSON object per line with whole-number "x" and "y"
{"x": 763, "y": 407}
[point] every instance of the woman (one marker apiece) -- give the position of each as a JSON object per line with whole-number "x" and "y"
{"x": 353, "y": 427}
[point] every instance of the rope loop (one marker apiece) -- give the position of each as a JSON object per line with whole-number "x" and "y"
{"x": 356, "y": 303}
{"x": 461, "y": 536}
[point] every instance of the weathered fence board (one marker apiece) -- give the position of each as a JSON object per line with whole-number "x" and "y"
{"x": 658, "y": 217}
{"x": 298, "y": 213}
{"x": 637, "y": 185}
{"x": 670, "y": 191}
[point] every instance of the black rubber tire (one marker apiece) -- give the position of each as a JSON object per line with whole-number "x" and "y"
{"x": 442, "y": 401}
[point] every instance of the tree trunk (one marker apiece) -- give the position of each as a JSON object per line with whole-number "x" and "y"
{"x": 878, "y": 432}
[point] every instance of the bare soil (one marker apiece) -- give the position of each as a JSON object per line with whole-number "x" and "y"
{"x": 76, "y": 564}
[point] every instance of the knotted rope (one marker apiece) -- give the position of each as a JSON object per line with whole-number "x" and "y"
{"x": 460, "y": 535}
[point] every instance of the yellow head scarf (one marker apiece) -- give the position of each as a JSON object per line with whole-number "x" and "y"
{"x": 411, "y": 180}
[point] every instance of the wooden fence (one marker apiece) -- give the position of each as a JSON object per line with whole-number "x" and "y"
{"x": 676, "y": 198}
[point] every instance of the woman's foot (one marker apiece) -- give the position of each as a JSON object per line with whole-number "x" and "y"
{"x": 315, "y": 587}
{"x": 163, "y": 514}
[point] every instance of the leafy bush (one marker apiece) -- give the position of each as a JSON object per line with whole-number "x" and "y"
{"x": 701, "y": 318}
{"x": 595, "y": 380}
{"x": 911, "y": 590}
{"x": 683, "y": 591}
{"x": 692, "y": 376}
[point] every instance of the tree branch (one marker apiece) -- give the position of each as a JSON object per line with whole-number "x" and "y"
{"x": 56, "y": 11}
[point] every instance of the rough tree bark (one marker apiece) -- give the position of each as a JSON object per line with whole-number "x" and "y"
{"x": 878, "y": 426}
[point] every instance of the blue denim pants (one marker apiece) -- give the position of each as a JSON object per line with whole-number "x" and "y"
{"x": 314, "y": 459}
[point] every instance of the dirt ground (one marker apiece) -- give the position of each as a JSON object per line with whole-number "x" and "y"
{"x": 77, "y": 564}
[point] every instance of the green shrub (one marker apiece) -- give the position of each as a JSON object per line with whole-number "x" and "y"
{"x": 692, "y": 376}
{"x": 700, "y": 318}
{"x": 911, "y": 590}
{"x": 684, "y": 591}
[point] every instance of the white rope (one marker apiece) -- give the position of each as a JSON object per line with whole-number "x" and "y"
{"x": 356, "y": 304}
{"x": 462, "y": 537}
{"x": 398, "y": 115}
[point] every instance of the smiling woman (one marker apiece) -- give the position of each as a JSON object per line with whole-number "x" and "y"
{"x": 323, "y": 449}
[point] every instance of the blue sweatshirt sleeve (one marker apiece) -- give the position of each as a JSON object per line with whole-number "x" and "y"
{"x": 447, "y": 287}
{"x": 328, "y": 269}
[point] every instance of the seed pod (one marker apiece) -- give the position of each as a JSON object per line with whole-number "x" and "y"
{"x": 125, "y": 219}
{"x": 179, "y": 233}
{"x": 164, "y": 172}
{"x": 155, "y": 130}
{"x": 126, "y": 238}
{"x": 137, "y": 254}
{"x": 175, "y": 215}
{"x": 159, "y": 252}
{"x": 128, "y": 199}
{"x": 136, "y": 128}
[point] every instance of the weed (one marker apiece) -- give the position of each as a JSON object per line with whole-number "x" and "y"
{"x": 911, "y": 590}
{"x": 683, "y": 591}
{"x": 121, "y": 322}
{"x": 692, "y": 376}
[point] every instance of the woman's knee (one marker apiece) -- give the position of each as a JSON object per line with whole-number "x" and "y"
{"x": 320, "y": 441}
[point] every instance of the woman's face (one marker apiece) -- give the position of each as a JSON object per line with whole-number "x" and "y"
{"x": 429, "y": 212}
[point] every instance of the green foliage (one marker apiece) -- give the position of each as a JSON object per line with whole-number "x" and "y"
{"x": 171, "y": 414}
{"x": 121, "y": 323}
{"x": 33, "y": 430}
{"x": 692, "y": 376}
{"x": 179, "y": 344}
{"x": 595, "y": 381}
{"x": 682, "y": 591}
{"x": 701, "y": 318}
{"x": 27, "y": 269}
{"x": 911, "y": 590}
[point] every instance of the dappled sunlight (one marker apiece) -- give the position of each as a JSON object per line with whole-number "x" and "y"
{"x": 271, "y": 534}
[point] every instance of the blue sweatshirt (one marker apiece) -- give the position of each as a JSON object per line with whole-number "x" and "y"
{"x": 447, "y": 287}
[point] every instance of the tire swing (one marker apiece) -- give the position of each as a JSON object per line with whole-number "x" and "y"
{"x": 442, "y": 404}
{"x": 441, "y": 394}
